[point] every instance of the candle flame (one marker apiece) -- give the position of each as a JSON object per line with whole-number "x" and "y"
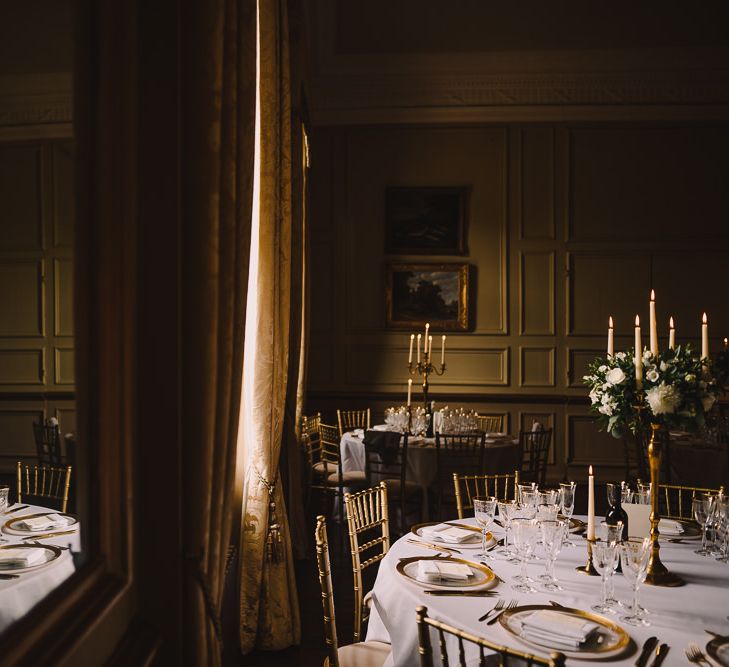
{"x": 412, "y": 336}
{"x": 653, "y": 295}
{"x": 637, "y": 320}
{"x": 610, "y": 321}
{"x": 670, "y": 322}
{"x": 703, "y": 319}
{"x": 726, "y": 342}
{"x": 410, "y": 381}
{"x": 443, "y": 337}
{"x": 590, "y": 473}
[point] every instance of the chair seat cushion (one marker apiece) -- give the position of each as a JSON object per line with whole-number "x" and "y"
{"x": 324, "y": 467}
{"x": 349, "y": 478}
{"x": 363, "y": 654}
{"x": 393, "y": 487}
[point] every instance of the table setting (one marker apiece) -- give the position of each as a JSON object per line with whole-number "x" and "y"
{"x": 541, "y": 601}
{"x": 36, "y": 547}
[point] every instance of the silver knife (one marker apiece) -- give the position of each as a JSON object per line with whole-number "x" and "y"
{"x": 647, "y": 649}
{"x": 660, "y": 655}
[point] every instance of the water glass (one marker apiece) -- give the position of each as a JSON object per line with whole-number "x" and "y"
{"x": 506, "y": 508}
{"x": 4, "y": 491}
{"x": 605, "y": 560}
{"x": 528, "y": 489}
{"x": 722, "y": 512}
{"x": 643, "y": 494}
{"x": 702, "y": 508}
{"x": 525, "y": 533}
{"x": 483, "y": 510}
{"x": 553, "y": 533}
{"x": 567, "y": 504}
{"x": 634, "y": 557}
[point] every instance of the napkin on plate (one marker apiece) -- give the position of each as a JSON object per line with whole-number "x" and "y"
{"x": 431, "y": 571}
{"x": 358, "y": 433}
{"x": 46, "y": 522}
{"x": 557, "y": 629}
{"x": 15, "y": 558}
{"x": 380, "y": 427}
{"x": 442, "y": 532}
{"x": 669, "y": 527}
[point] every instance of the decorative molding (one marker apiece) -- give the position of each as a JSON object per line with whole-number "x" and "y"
{"x": 345, "y": 396}
{"x": 39, "y": 99}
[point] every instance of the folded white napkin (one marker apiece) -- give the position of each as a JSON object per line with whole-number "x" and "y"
{"x": 380, "y": 427}
{"x": 430, "y": 571}
{"x": 12, "y": 558}
{"x": 442, "y": 532}
{"x": 358, "y": 433}
{"x": 558, "y": 629}
{"x": 46, "y": 522}
{"x": 670, "y": 527}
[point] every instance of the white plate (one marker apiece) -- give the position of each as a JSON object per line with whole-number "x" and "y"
{"x": 51, "y": 553}
{"x": 10, "y": 529}
{"x": 472, "y": 543}
{"x": 609, "y": 641}
{"x": 718, "y": 649}
{"x": 482, "y": 574}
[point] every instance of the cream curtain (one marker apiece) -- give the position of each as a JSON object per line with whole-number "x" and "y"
{"x": 268, "y": 598}
{"x": 217, "y": 143}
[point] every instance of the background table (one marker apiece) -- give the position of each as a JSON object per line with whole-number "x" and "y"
{"x": 18, "y": 596}
{"x": 678, "y": 615}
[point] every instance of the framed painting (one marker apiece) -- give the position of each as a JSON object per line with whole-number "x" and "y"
{"x": 420, "y": 293}
{"x": 426, "y": 221}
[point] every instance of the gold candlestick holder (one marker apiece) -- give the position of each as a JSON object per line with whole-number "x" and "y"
{"x": 658, "y": 574}
{"x": 424, "y": 369}
{"x": 588, "y": 568}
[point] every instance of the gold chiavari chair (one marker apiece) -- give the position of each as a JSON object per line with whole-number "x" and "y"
{"x": 329, "y": 478}
{"x": 455, "y": 453}
{"x": 490, "y": 423}
{"x": 367, "y": 518}
{"x": 485, "y": 647}
{"x": 309, "y": 435}
{"x": 675, "y": 501}
{"x": 468, "y": 487}
{"x": 44, "y": 483}
{"x": 349, "y": 420}
{"x": 360, "y": 654}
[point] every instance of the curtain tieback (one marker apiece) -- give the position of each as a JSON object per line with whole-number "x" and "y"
{"x": 274, "y": 546}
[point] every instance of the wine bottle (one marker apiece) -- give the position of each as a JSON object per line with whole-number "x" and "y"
{"x": 616, "y": 512}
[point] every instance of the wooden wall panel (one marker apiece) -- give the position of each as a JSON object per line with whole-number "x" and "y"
{"x": 21, "y": 366}
{"x": 22, "y": 297}
{"x": 16, "y": 426}
{"x": 64, "y": 365}
{"x": 578, "y": 361}
{"x": 21, "y": 212}
{"x": 63, "y": 195}
{"x": 537, "y": 293}
{"x": 587, "y": 446}
{"x": 537, "y": 367}
{"x": 63, "y": 297}
{"x": 537, "y": 184}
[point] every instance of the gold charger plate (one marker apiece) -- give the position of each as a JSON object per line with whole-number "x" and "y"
{"x": 718, "y": 649}
{"x": 475, "y": 542}
{"x": 606, "y": 643}
{"x": 11, "y": 529}
{"x": 483, "y": 575}
{"x": 51, "y": 554}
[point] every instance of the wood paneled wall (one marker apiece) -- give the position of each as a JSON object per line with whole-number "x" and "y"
{"x": 567, "y": 225}
{"x": 36, "y": 293}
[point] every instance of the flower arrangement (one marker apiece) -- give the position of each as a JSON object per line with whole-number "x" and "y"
{"x": 673, "y": 388}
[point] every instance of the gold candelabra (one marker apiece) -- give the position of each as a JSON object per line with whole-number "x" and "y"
{"x": 424, "y": 368}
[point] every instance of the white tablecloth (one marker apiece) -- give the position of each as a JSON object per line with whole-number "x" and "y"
{"x": 18, "y": 596}
{"x": 678, "y": 615}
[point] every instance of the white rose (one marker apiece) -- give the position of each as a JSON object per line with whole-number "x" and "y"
{"x": 620, "y": 355}
{"x": 594, "y": 397}
{"x": 652, "y": 375}
{"x": 602, "y": 368}
{"x": 615, "y": 376}
{"x": 663, "y": 399}
{"x": 646, "y": 357}
{"x": 664, "y": 366}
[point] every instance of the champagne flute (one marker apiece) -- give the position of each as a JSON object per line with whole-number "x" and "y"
{"x": 552, "y": 539}
{"x": 525, "y": 536}
{"x": 567, "y": 503}
{"x": 612, "y": 534}
{"x": 483, "y": 510}
{"x": 634, "y": 557}
{"x": 701, "y": 508}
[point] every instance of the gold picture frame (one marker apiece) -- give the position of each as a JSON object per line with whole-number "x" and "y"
{"x": 434, "y": 293}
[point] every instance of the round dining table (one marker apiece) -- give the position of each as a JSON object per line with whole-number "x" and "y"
{"x": 22, "y": 589}
{"x": 677, "y": 616}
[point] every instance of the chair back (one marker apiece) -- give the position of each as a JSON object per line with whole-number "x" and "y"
{"x": 44, "y": 483}
{"x": 490, "y": 423}
{"x": 48, "y": 443}
{"x": 468, "y": 487}
{"x": 369, "y": 538}
{"x": 675, "y": 502}
{"x": 483, "y": 646}
{"x": 348, "y": 420}
{"x": 327, "y": 594}
{"x": 326, "y": 449}
{"x": 535, "y": 453}
{"x": 309, "y": 435}
{"x": 386, "y": 456}
{"x": 461, "y": 453}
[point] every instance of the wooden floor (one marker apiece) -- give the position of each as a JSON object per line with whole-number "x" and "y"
{"x": 312, "y": 650}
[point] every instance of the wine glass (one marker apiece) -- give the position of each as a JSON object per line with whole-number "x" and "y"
{"x": 483, "y": 510}
{"x": 552, "y": 538}
{"x": 506, "y": 507}
{"x": 722, "y": 512}
{"x": 605, "y": 560}
{"x": 702, "y": 507}
{"x": 567, "y": 503}
{"x": 634, "y": 557}
{"x": 525, "y": 537}
{"x": 4, "y": 492}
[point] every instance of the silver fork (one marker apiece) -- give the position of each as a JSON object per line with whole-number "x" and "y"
{"x": 497, "y": 607}
{"x": 694, "y": 654}
{"x": 511, "y": 605}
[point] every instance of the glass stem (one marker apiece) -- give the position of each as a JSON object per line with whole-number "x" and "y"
{"x": 483, "y": 540}
{"x": 636, "y": 609}
{"x": 524, "y": 568}
{"x": 604, "y": 589}
{"x": 703, "y": 536}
